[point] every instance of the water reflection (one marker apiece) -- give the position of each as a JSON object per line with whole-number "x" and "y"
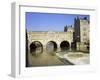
{"x": 51, "y": 47}
{"x": 36, "y": 48}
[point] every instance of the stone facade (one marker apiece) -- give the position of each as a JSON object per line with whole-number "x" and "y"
{"x": 81, "y": 33}
{"x": 45, "y": 37}
{"x": 84, "y": 31}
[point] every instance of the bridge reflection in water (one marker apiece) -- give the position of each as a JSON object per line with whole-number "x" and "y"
{"x": 49, "y": 57}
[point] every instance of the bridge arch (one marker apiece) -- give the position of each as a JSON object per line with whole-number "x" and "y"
{"x": 51, "y": 47}
{"x": 64, "y": 45}
{"x": 36, "y": 47}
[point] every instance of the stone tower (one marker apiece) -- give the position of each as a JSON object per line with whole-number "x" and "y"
{"x": 81, "y": 32}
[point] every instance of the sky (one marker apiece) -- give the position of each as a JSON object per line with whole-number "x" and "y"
{"x": 49, "y": 21}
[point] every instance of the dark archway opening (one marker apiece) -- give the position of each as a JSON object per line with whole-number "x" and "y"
{"x": 36, "y": 48}
{"x": 64, "y": 45}
{"x": 51, "y": 47}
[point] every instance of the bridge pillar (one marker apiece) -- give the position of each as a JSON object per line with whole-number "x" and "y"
{"x": 70, "y": 46}
{"x": 58, "y": 48}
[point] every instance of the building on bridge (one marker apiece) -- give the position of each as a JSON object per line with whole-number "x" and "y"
{"x": 81, "y": 33}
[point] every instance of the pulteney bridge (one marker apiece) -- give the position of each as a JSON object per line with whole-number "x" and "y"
{"x": 43, "y": 40}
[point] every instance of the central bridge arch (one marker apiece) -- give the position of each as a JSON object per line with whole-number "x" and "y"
{"x": 51, "y": 46}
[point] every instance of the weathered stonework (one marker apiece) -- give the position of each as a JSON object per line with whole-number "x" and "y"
{"x": 45, "y": 37}
{"x": 81, "y": 33}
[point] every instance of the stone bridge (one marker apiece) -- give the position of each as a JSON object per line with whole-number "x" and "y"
{"x": 59, "y": 40}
